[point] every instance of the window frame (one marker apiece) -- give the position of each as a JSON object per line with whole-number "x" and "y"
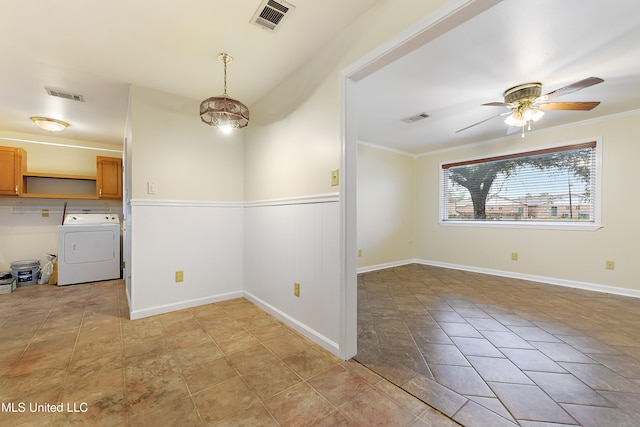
{"x": 596, "y": 224}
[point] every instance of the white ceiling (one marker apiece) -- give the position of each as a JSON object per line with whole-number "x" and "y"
{"x": 98, "y": 48}
{"x": 517, "y": 41}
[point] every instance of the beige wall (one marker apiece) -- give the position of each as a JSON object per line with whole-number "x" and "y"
{"x": 571, "y": 256}
{"x": 386, "y": 206}
{"x": 293, "y": 157}
{"x": 294, "y": 140}
{"x": 185, "y": 158}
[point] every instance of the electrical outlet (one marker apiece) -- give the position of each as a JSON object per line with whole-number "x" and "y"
{"x": 359, "y": 252}
{"x": 179, "y": 276}
{"x": 609, "y": 265}
{"x": 514, "y": 256}
{"x": 296, "y": 289}
{"x": 45, "y": 213}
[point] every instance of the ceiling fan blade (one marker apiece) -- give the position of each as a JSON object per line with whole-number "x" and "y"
{"x": 590, "y": 81}
{"x": 513, "y": 129}
{"x": 496, "y": 104}
{"x": 482, "y": 121}
{"x": 584, "y": 106}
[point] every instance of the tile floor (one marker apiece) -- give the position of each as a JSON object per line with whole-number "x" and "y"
{"x": 227, "y": 364}
{"x": 495, "y": 351}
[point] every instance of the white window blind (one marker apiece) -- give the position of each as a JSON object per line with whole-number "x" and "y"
{"x": 551, "y": 185}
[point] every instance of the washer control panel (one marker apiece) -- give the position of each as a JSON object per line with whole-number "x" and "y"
{"x": 91, "y": 219}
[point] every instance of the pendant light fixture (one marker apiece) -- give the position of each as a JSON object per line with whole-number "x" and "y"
{"x": 221, "y": 111}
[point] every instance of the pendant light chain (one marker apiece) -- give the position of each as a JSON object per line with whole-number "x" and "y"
{"x": 224, "y": 61}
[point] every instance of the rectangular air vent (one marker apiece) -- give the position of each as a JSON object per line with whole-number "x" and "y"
{"x": 65, "y": 95}
{"x": 415, "y": 118}
{"x": 271, "y": 14}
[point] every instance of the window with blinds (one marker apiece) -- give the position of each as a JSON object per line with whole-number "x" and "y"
{"x": 550, "y": 185}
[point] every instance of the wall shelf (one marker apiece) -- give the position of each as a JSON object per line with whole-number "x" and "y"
{"x": 59, "y": 176}
{"x": 57, "y": 196}
{"x": 44, "y": 185}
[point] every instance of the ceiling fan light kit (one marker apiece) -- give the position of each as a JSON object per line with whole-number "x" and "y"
{"x": 224, "y": 112}
{"x": 527, "y": 103}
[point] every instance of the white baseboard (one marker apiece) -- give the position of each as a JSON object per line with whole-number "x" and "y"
{"x": 386, "y": 265}
{"x": 300, "y": 327}
{"x": 161, "y": 309}
{"x": 542, "y": 279}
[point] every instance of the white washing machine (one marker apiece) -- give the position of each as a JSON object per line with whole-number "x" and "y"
{"x": 88, "y": 248}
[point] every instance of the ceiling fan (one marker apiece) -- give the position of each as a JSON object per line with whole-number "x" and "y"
{"x": 526, "y": 103}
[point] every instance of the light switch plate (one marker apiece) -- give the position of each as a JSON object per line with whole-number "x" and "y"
{"x": 335, "y": 177}
{"x": 152, "y": 188}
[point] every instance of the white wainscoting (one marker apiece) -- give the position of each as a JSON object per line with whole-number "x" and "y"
{"x": 296, "y": 240}
{"x": 228, "y": 250}
{"x": 203, "y": 239}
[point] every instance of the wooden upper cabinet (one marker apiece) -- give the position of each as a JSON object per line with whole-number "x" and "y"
{"x": 16, "y": 181}
{"x": 13, "y": 161}
{"x": 109, "y": 178}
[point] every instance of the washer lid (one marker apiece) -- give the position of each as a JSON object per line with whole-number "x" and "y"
{"x": 91, "y": 219}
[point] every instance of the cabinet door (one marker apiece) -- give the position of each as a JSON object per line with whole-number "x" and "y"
{"x": 11, "y": 163}
{"x": 109, "y": 178}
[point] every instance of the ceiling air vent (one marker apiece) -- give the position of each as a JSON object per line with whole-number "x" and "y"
{"x": 271, "y": 14}
{"x": 415, "y": 118}
{"x": 65, "y": 95}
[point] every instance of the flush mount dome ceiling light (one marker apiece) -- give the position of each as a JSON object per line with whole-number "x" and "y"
{"x": 221, "y": 111}
{"x": 51, "y": 125}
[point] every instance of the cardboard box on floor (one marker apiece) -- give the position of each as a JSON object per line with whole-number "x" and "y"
{"x": 7, "y": 288}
